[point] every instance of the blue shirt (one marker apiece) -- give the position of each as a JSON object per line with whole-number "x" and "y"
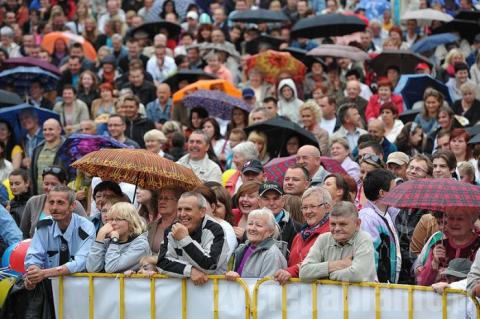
{"x": 156, "y": 113}
{"x": 44, "y": 249}
{"x": 9, "y": 230}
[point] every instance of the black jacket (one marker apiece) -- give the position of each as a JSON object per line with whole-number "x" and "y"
{"x": 137, "y": 128}
{"x": 147, "y": 92}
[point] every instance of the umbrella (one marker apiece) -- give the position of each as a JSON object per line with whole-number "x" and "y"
{"x": 473, "y": 130}
{"x": 278, "y": 131}
{"x": 11, "y": 114}
{"x": 156, "y": 27}
{"x": 272, "y": 63}
{"x": 216, "y": 103}
{"x": 78, "y": 145}
{"x": 426, "y": 16}
{"x": 276, "y": 168}
{"x": 23, "y": 76}
{"x": 327, "y": 25}
{"x": 219, "y": 84}
{"x": 188, "y": 75}
{"x": 332, "y": 165}
{"x": 433, "y": 41}
{"x": 409, "y": 115}
{"x": 406, "y": 61}
{"x": 339, "y": 51}
{"x": 48, "y": 43}
{"x": 28, "y": 61}
{"x": 136, "y": 166}
{"x": 466, "y": 28}
{"x": 263, "y": 41}
{"x": 434, "y": 194}
{"x": 9, "y": 98}
{"x": 259, "y": 16}
{"x": 301, "y": 55}
{"x": 468, "y": 15}
{"x": 412, "y": 87}
{"x": 208, "y": 47}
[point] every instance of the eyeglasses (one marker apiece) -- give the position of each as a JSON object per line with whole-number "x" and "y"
{"x": 311, "y": 207}
{"x": 52, "y": 169}
{"x": 416, "y": 169}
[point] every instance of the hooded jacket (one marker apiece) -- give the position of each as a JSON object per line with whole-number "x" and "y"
{"x": 289, "y": 108}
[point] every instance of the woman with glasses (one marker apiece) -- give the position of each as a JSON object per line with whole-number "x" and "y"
{"x": 120, "y": 243}
{"x": 411, "y": 139}
{"x": 316, "y": 205}
{"x": 37, "y": 207}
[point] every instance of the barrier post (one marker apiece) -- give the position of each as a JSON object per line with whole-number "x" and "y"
{"x": 215, "y": 298}
{"x": 91, "y": 298}
{"x": 314, "y": 300}
{"x": 122, "y": 297}
{"x": 377, "y": 303}
{"x": 345, "y": 300}
{"x": 410, "y": 302}
{"x": 184, "y": 298}
{"x": 60, "y": 297}
{"x": 152, "y": 298}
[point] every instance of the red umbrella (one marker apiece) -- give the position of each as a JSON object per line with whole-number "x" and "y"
{"x": 276, "y": 168}
{"x": 434, "y": 194}
{"x": 332, "y": 165}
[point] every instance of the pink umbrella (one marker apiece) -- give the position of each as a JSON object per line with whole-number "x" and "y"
{"x": 332, "y": 165}
{"x": 276, "y": 168}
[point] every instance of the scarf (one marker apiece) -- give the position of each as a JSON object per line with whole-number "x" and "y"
{"x": 308, "y": 231}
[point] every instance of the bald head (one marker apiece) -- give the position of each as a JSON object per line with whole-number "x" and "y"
{"x": 377, "y": 129}
{"x": 52, "y": 131}
{"x": 163, "y": 93}
{"x": 309, "y": 157}
{"x": 353, "y": 89}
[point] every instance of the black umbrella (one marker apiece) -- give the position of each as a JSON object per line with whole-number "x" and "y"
{"x": 466, "y": 28}
{"x": 278, "y": 131}
{"x": 327, "y": 25}
{"x": 154, "y": 28}
{"x": 404, "y": 60}
{"x": 253, "y": 47}
{"x": 473, "y": 130}
{"x": 301, "y": 55}
{"x": 9, "y": 99}
{"x": 468, "y": 15}
{"x": 409, "y": 116}
{"x": 190, "y": 76}
{"x": 259, "y": 16}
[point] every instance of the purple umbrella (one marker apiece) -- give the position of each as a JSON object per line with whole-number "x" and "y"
{"x": 216, "y": 103}
{"x": 27, "y": 61}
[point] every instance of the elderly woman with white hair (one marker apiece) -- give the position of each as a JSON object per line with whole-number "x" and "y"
{"x": 155, "y": 141}
{"x": 259, "y": 256}
{"x": 310, "y": 115}
{"x": 242, "y": 153}
{"x": 121, "y": 242}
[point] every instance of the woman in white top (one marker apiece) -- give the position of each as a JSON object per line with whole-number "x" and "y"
{"x": 219, "y": 145}
{"x": 389, "y": 117}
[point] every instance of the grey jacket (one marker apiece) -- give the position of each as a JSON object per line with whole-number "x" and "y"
{"x": 117, "y": 258}
{"x": 34, "y": 208}
{"x": 265, "y": 260}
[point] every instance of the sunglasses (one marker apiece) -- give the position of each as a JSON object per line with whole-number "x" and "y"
{"x": 373, "y": 160}
{"x": 52, "y": 169}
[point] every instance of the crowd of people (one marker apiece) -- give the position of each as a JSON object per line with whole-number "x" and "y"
{"x": 313, "y": 222}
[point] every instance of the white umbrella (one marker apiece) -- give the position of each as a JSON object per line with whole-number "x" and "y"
{"x": 426, "y": 16}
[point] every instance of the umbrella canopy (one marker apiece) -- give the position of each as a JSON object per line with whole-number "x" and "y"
{"x": 188, "y": 75}
{"x": 426, "y": 16}
{"x": 327, "y": 25}
{"x": 412, "y": 87}
{"x": 22, "y": 78}
{"x": 409, "y": 115}
{"x": 276, "y": 168}
{"x": 9, "y": 98}
{"x": 11, "y": 114}
{"x": 466, "y": 28}
{"x": 405, "y": 61}
{"x": 77, "y": 146}
{"x": 263, "y": 42}
{"x": 140, "y": 167}
{"x": 339, "y": 51}
{"x": 278, "y": 131}
{"x": 434, "y": 194}
{"x": 227, "y": 47}
{"x": 156, "y": 27}
{"x": 259, "y": 16}
{"x": 468, "y": 15}
{"x": 219, "y": 84}
{"x": 433, "y": 41}
{"x": 216, "y": 103}
{"x": 332, "y": 165}
{"x": 48, "y": 43}
{"x": 272, "y": 63}
{"x": 301, "y": 55}
{"x": 28, "y": 61}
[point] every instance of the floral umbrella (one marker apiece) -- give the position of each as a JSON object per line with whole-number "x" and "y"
{"x": 272, "y": 63}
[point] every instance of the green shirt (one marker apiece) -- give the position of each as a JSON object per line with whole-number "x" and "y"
{"x": 46, "y": 157}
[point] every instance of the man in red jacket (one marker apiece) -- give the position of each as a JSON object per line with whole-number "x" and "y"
{"x": 316, "y": 205}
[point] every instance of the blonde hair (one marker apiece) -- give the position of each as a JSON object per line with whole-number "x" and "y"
{"x": 341, "y": 141}
{"x": 450, "y": 55}
{"x": 259, "y": 137}
{"x": 312, "y": 106}
{"x": 136, "y": 224}
{"x": 155, "y": 135}
{"x": 468, "y": 87}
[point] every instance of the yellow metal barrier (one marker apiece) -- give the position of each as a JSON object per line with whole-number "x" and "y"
{"x": 122, "y": 277}
{"x": 345, "y": 285}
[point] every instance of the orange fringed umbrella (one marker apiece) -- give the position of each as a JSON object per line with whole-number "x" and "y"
{"x": 48, "y": 43}
{"x": 140, "y": 167}
{"x": 272, "y": 63}
{"x": 221, "y": 85}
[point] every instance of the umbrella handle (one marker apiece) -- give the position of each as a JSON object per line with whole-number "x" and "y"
{"x": 78, "y": 182}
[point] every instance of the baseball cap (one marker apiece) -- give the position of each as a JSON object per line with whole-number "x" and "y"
{"x": 458, "y": 267}
{"x": 270, "y": 186}
{"x": 248, "y": 93}
{"x": 398, "y": 158}
{"x": 252, "y": 166}
{"x": 422, "y": 66}
{"x": 192, "y": 15}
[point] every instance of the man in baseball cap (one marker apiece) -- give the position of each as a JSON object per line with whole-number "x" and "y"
{"x": 252, "y": 171}
{"x": 397, "y": 163}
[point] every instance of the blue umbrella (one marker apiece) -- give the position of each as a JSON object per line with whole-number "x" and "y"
{"x": 22, "y": 78}
{"x": 412, "y": 87}
{"x": 216, "y": 103}
{"x": 11, "y": 115}
{"x": 433, "y": 41}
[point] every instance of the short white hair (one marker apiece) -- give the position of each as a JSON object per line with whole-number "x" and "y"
{"x": 322, "y": 194}
{"x": 268, "y": 214}
{"x": 247, "y": 150}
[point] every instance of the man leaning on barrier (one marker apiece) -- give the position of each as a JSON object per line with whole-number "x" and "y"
{"x": 346, "y": 253}
{"x": 194, "y": 246}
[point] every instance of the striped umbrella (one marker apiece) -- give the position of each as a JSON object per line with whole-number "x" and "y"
{"x": 22, "y": 78}
{"x": 140, "y": 167}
